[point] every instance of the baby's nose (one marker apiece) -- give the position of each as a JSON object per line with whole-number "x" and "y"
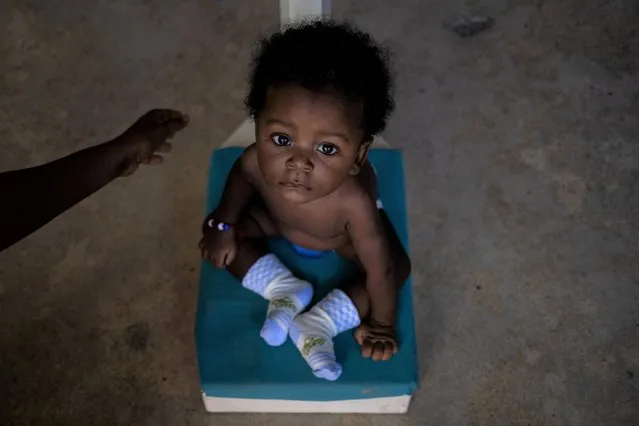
{"x": 300, "y": 160}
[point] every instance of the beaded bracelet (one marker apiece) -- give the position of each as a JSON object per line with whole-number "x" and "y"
{"x": 221, "y": 226}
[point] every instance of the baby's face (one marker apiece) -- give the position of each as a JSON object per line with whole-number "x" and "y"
{"x": 308, "y": 143}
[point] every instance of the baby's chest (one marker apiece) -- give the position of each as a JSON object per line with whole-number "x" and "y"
{"x": 320, "y": 221}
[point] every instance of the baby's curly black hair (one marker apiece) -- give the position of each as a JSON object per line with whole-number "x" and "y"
{"x": 325, "y": 55}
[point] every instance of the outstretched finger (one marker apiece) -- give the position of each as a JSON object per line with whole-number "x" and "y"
{"x": 161, "y": 115}
{"x": 175, "y": 124}
{"x": 174, "y": 114}
{"x": 164, "y": 148}
{"x": 153, "y": 160}
{"x": 165, "y": 123}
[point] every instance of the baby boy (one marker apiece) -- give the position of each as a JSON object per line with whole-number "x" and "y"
{"x": 319, "y": 92}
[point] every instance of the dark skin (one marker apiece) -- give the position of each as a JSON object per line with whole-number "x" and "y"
{"x": 307, "y": 179}
{"x": 39, "y": 194}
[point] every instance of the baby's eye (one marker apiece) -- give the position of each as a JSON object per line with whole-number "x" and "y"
{"x": 327, "y": 149}
{"x": 281, "y": 140}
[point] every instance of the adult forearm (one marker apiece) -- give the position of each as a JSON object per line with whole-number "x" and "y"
{"x": 33, "y": 197}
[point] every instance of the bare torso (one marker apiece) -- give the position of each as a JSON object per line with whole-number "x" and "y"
{"x": 317, "y": 225}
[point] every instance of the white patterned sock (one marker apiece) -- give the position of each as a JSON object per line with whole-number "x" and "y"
{"x": 287, "y": 296}
{"x": 313, "y": 332}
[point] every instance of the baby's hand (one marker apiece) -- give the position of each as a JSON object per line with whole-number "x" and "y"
{"x": 378, "y": 341}
{"x": 219, "y": 247}
{"x": 148, "y": 136}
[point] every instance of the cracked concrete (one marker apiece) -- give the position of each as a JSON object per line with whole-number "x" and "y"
{"x": 523, "y": 190}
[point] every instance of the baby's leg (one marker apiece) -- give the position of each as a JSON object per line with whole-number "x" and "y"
{"x": 344, "y": 309}
{"x": 313, "y": 332}
{"x": 263, "y": 273}
{"x": 378, "y": 341}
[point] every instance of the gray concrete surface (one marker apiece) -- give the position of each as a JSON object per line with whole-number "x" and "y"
{"x": 522, "y": 166}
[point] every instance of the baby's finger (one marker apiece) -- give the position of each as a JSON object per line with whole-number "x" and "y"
{"x": 230, "y": 257}
{"x": 367, "y": 349}
{"x": 378, "y": 351}
{"x": 359, "y": 336}
{"x": 389, "y": 351}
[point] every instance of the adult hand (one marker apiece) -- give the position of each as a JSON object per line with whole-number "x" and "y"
{"x": 148, "y": 137}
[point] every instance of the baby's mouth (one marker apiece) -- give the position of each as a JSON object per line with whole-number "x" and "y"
{"x": 295, "y": 186}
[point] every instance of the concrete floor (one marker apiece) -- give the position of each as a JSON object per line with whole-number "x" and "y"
{"x": 523, "y": 184}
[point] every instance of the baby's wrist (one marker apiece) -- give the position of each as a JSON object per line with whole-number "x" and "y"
{"x": 224, "y": 215}
{"x": 382, "y": 319}
{"x": 211, "y": 223}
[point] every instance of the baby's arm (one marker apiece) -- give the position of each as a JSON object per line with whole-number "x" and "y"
{"x": 220, "y": 248}
{"x": 366, "y": 229}
{"x": 238, "y": 190}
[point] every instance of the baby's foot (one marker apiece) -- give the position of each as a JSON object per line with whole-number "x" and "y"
{"x": 147, "y": 136}
{"x": 288, "y": 296}
{"x": 313, "y": 332}
{"x": 313, "y": 336}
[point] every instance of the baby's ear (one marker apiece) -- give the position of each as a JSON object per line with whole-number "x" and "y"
{"x": 362, "y": 156}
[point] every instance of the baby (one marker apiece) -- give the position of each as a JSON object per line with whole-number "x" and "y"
{"x": 319, "y": 92}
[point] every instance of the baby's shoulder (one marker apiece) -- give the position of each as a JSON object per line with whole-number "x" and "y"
{"x": 362, "y": 187}
{"x": 355, "y": 196}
